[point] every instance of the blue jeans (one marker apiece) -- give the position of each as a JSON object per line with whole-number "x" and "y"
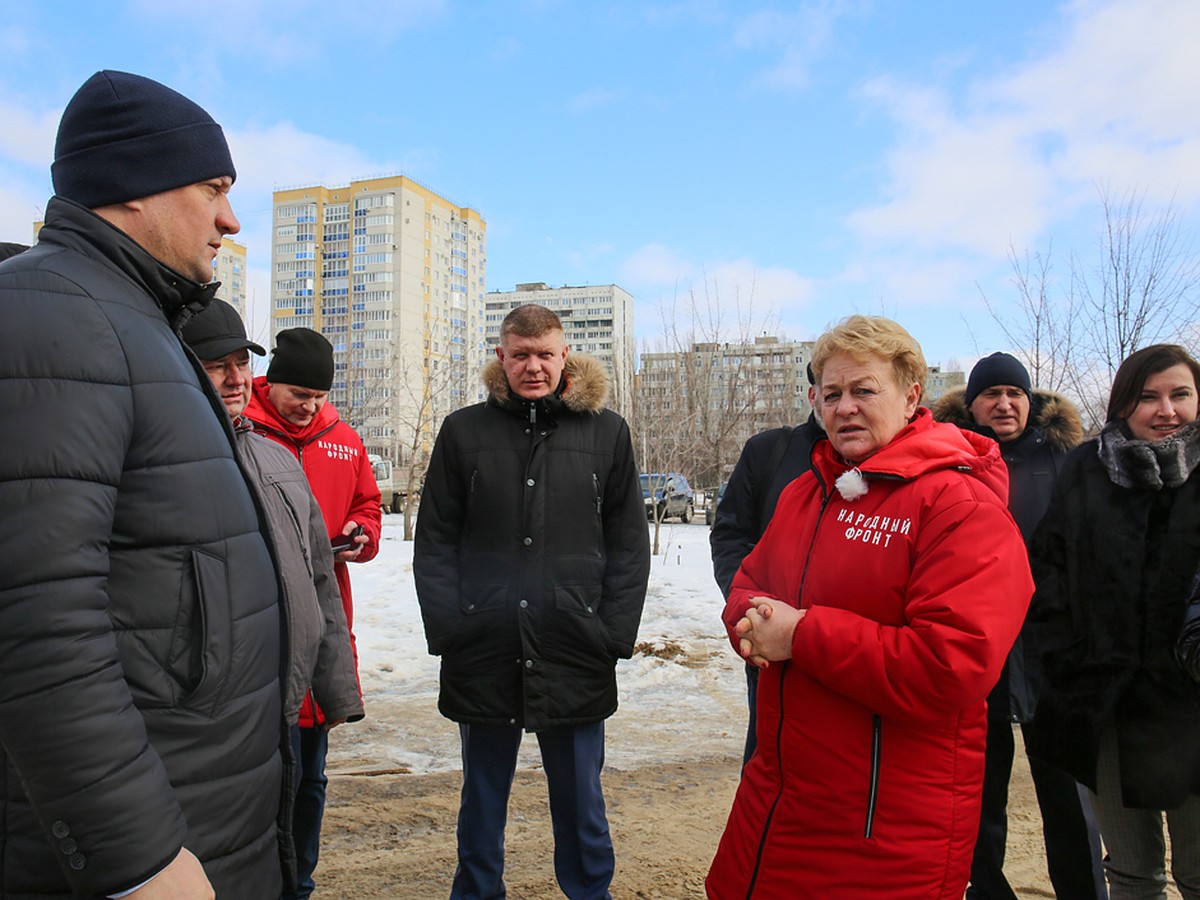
{"x": 309, "y": 746}
{"x": 572, "y": 757}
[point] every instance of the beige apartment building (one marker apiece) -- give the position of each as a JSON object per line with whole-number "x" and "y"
{"x": 230, "y": 269}
{"x": 393, "y": 274}
{"x": 597, "y": 320}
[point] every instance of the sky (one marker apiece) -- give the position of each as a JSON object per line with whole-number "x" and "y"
{"x": 782, "y": 164}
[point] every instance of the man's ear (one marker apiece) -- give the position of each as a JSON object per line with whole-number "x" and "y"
{"x": 500, "y": 353}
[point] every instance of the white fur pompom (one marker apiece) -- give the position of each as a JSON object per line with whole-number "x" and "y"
{"x": 851, "y": 485}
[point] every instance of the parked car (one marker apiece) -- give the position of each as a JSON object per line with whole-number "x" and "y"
{"x": 710, "y": 508}
{"x": 668, "y": 495}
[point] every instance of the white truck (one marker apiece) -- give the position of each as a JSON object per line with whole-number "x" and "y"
{"x": 391, "y": 495}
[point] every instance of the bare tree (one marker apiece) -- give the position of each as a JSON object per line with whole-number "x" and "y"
{"x": 707, "y": 382}
{"x": 1144, "y": 288}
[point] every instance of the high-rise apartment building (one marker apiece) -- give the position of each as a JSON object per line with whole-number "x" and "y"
{"x": 230, "y": 269}
{"x": 597, "y": 320}
{"x": 393, "y": 274}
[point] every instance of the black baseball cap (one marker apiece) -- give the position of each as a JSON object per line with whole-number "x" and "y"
{"x": 216, "y": 331}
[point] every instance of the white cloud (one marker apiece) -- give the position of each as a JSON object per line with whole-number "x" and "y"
{"x": 589, "y": 100}
{"x": 19, "y": 209}
{"x": 1112, "y": 103}
{"x": 281, "y": 155}
{"x": 282, "y": 31}
{"x": 800, "y": 39}
{"x": 655, "y": 265}
{"x": 28, "y": 135}
{"x": 744, "y": 296}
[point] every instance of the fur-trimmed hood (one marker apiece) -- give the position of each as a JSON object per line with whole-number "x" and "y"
{"x": 584, "y": 388}
{"x": 1056, "y": 417}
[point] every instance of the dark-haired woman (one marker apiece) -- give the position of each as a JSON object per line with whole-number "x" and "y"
{"x": 1114, "y": 559}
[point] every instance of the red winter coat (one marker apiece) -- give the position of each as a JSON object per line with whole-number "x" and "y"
{"x": 869, "y": 768}
{"x": 339, "y": 473}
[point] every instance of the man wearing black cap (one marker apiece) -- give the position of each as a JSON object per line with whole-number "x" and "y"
{"x": 1036, "y": 429}
{"x": 319, "y": 652}
{"x": 290, "y": 406}
{"x": 140, "y": 707}
{"x": 770, "y": 461}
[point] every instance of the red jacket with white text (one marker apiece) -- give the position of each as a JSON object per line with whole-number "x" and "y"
{"x": 869, "y": 767}
{"x": 339, "y": 473}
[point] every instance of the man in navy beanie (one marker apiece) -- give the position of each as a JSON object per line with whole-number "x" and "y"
{"x": 1036, "y": 430}
{"x": 140, "y": 704}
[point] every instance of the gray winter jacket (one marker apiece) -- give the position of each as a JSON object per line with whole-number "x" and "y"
{"x": 140, "y": 702}
{"x": 319, "y": 653}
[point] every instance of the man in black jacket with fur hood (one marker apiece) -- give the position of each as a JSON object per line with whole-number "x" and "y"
{"x": 531, "y": 562}
{"x": 1036, "y": 430}
{"x": 140, "y": 705}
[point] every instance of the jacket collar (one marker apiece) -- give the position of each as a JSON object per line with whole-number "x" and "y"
{"x": 77, "y": 228}
{"x": 1150, "y": 465}
{"x": 1050, "y": 413}
{"x": 920, "y": 447}
{"x": 584, "y": 387}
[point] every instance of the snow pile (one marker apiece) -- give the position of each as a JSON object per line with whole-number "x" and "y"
{"x": 682, "y": 696}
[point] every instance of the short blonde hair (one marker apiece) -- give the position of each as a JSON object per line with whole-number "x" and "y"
{"x": 530, "y": 320}
{"x": 862, "y": 336}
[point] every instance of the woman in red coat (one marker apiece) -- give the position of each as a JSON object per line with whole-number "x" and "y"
{"x": 880, "y": 603}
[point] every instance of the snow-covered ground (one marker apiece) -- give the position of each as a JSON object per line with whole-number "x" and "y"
{"x": 682, "y": 696}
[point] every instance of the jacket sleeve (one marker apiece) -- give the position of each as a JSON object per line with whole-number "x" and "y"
{"x": 67, "y": 719}
{"x": 1188, "y": 647}
{"x": 965, "y": 601}
{"x": 335, "y": 679}
{"x": 627, "y": 549}
{"x": 1051, "y": 617}
{"x": 365, "y": 507}
{"x": 736, "y": 527}
{"x": 440, "y": 517}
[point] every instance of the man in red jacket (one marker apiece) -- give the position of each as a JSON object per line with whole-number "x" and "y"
{"x": 290, "y": 405}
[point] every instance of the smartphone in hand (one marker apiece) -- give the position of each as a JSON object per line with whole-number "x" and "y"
{"x": 346, "y": 541}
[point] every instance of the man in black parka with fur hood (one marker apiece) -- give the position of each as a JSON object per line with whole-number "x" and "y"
{"x": 1036, "y": 430}
{"x": 140, "y": 700}
{"x": 531, "y": 562}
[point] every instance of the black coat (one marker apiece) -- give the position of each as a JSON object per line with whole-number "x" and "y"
{"x": 532, "y": 554}
{"x": 1034, "y": 460}
{"x": 140, "y": 705}
{"x": 752, "y": 492}
{"x": 1113, "y": 567}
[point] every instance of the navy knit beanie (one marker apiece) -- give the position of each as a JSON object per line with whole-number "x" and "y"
{"x": 302, "y": 357}
{"x": 999, "y": 368}
{"x": 123, "y": 137}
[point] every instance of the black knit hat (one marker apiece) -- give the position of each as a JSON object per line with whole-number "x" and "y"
{"x": 216, "y": 331}
{"x": 302, "y": 357}
{"x": 8, "y": 249}
{"x": 999, "y": 368}
{"x": 123, "y": 137}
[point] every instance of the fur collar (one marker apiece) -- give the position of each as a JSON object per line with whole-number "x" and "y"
{"x": 1056, "y": 417}
{"x": 1151, "y": 465}
{"x": 584, "y": 389}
